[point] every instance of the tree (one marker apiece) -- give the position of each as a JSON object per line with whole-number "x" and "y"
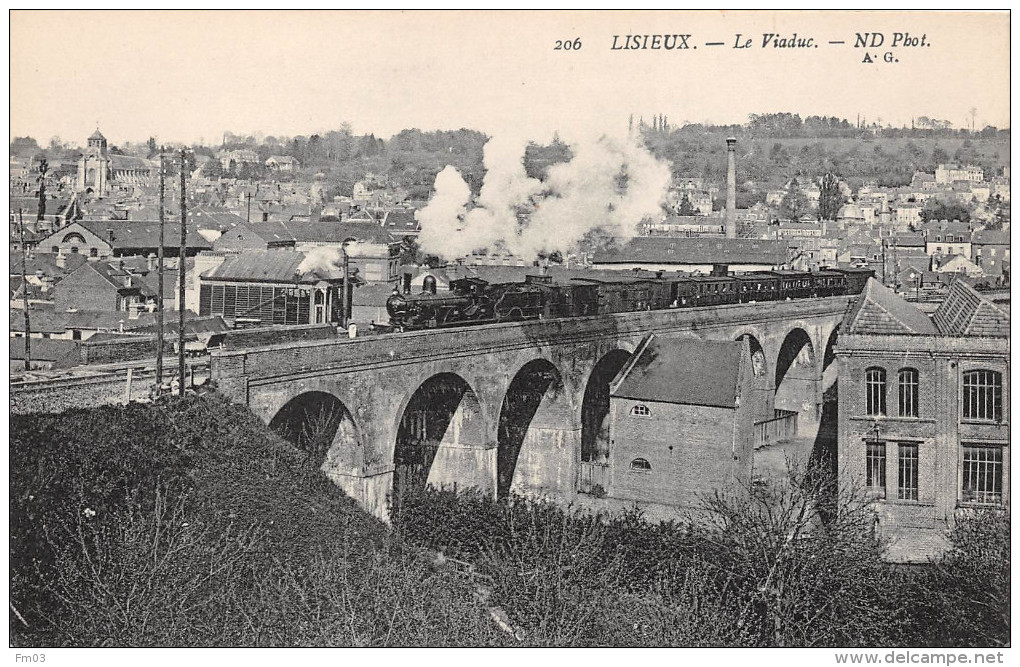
{"x": 795, "y": 203}
{"x": 686, "y": 208}
{"x": 24, "y": 146}
{"x": 803, "y": 562}
{"x": 940, "y": 210}
{"x": 44, "y": 168}
{"x": 831, "y": 198}
{"x": 971, "y": 583}
{"x": 410, "y": 251}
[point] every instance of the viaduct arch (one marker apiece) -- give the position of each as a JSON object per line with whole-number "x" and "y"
{"x": 506, "y": 408}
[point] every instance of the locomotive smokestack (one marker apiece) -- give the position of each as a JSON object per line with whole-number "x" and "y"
{"x": 731, "y": 188}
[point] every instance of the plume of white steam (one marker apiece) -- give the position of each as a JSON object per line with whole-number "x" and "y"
{"x": 323, "y": 258}
{"x": 330, "y": 258}
{"x": 443, "y": 218}
{"x": 608, "y": 184}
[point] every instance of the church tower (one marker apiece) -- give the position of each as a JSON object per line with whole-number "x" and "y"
{"x": 94, "y": 167}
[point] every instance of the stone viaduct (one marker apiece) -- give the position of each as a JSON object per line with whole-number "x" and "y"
{"x": 506, "y": 407}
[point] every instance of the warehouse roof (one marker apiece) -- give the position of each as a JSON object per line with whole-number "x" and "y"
{"x": 277, "y": 266}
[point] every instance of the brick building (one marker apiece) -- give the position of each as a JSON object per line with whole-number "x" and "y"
{"x": 99, "y": 239}
{"x": 678, "y": 426}
{"x": 924, "y": 412}
{"x": 97, "y": 286}
{"x": 991, "y": 251}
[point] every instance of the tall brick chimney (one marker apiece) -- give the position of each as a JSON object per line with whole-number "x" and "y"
{"x": 731, "y": 188}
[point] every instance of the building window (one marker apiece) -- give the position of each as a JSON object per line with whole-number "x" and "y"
{"x": 907, "y": 487}
{"x": 640, "y": 464}
{"x": 93, "y": 252}
{"x": 874, "y": 384}
{"x": 640, "y": 411}
{"x": 875, "y": 468}
{"x": 907, "y": 381}
{"x": 982, "y": 474}
{"x": 982, "y": 395}
{"x": 55, "y": 248}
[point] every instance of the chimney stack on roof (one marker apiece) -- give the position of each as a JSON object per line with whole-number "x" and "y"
{"x": 731, "y": 188}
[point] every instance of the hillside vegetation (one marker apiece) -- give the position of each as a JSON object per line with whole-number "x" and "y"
{"x": 189, "y": 523}
{"x": 772, "y": 149}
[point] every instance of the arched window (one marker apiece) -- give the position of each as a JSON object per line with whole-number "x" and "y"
{"x": 73, "y": 237}
{"x": 640, "y": 411}
{"x": 640, "y": 464}
{"x": 982, "y": 395}
{"x": 874, "y": 385}
{"x": 907, "y": 381}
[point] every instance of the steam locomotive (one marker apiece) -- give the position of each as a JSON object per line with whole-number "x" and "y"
{"x": 476, "y": 301}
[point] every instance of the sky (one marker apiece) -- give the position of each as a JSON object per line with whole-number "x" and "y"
{"x": 189, "y": 76}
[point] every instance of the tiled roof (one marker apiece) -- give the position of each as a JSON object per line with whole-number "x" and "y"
{"x": 710, "y": 372}
{"x": 45, "y": 349}
{"x": 401, "y": 219}
{"x": 132, "y": 234}
{"x": 879, "y": 311}
{"x": 107, "y": 319}
{"x": 991, "y": 237}
{"x": 130, "y": 163}
{"x": 30, "y": 206}
{"x": 908, "y": 240}
{"x": 193, "y": 324}
{"x": 322, "y": 232}
{"x": 211, "y": 218}
{"x": 967, "y": 313}
{"x": 663, "y": 250}
{"x": 45, "y": 262}
{"x": 40, "y": 321}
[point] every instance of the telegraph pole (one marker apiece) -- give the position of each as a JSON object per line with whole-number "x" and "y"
{"x": 24, "y": 292}
{"x": 883, "y": 262}
{"x": 159, "y": 302}
{"x": 248, "y": 197}
{"x": 180, "y": 272}
{"x": 347, "y": 279}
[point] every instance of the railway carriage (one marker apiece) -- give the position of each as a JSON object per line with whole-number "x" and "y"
{"x": 475, "y": 301}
